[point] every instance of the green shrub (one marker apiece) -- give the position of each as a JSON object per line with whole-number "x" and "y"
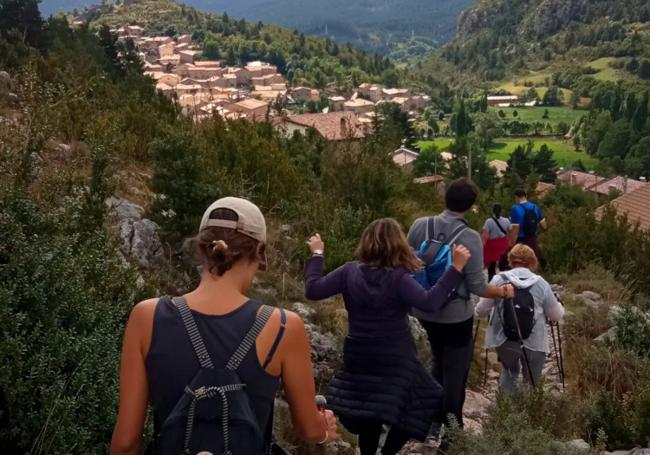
{"x": 626, "y": 422}
{"x": 64, "y": 298}
{"x": 632, "y": 331}
{"x": 513, "y": 427}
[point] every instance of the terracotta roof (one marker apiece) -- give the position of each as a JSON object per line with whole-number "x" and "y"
{"x": 395, "y": 91}
{"x": 620, "y": 184}
{"x": 500, "y": 166}
{"x": 582, "y": 179}
{"x": 429, "y": 179}
{"x": 206, "y": 63}
{"x": 542, "y": 188}
{"x": 359, "y": 102}
{"x": 636, "y": 205}
{"x": 251, "y": 104}
{"x": 334, "y": 126}
{"x": 404, "y": 156}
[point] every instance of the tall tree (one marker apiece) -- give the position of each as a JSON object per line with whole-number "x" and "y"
{"x": 24, "y": 17}
{"x": 640, "y": 118}
{"x": 461, "y": 121}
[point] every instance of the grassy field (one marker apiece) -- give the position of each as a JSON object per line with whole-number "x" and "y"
{"x": 535, "y": 114}
{"x": 564, "y": 152}
{"x": 606, "y": 72}
{"x": 539, "y": 80}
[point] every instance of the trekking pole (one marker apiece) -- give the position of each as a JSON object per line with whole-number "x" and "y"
{"x": 485, "y": 369}
{"x": 559, "y": 340}
{"x": 557, "y": 355}
{"x": 521, "y": 344}
{"x": 478, "y": 324}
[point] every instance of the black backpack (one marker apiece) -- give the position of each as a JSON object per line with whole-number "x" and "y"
{"x": 214, "y": 414}
{"x": 530, "y": 223}
{"x": 518, "y": 313}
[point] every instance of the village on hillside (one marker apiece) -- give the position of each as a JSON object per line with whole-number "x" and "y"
{"x": 257, "y": 91}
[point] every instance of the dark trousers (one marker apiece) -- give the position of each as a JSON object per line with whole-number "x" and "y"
{"x": 452, "y": 348}
{"x": 492, "y": 270}
{"x": 369, "y": 432}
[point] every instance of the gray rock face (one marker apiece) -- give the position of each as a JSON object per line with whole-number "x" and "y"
{"x": 579, "y": 444}
{"x": 552, "y": 15}
{"x": 6, "y": 87}
{"x": 610, "y": 335}
{"x": 591, "y": 299}
{"x": 635, "y": 451}
{"x": 140, "y": 240}
{"x": 124, "y": 209}
{"x": 304, "y": 311}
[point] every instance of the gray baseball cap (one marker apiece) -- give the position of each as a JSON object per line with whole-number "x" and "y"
{"x": 250, "y": 220}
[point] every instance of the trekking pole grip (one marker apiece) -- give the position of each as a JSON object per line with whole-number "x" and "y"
{"x": 321, "y": 403}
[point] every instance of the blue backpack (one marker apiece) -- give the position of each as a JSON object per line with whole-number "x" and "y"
{"x": 435, "y": 252}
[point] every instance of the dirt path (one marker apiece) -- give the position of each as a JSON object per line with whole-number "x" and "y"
{"x": 478, "y": 401}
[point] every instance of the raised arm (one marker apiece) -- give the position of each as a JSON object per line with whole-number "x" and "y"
{"x": 485, "y": 304}
{"x": 412, "y": 294}
{"x": 319, "y": 287}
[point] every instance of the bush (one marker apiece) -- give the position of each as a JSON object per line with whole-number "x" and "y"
{"x": 632, "y": 331}
{"x": 64, "y": 298}
{"x": 516, "y": 426}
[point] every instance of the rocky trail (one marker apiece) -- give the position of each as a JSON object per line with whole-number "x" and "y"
{"x": 478, "y": 400}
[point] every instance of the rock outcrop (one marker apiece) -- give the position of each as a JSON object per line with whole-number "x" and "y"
{"x": 7, "y": 88}
{"x": 139, "y": 237}
{"x": 552, "y": 15}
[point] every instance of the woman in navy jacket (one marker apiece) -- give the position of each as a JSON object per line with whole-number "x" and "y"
{"x": 381, "y": 381}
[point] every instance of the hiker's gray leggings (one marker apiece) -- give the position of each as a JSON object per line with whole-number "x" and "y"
{"x": 513, "y": 363}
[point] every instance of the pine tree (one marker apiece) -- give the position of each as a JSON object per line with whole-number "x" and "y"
{"x": 640, "y": 117}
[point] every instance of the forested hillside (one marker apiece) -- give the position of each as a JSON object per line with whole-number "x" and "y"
{"x": 401, "y": 28}
{"x": 304, "y": 59}
{"x": 500, "y": 38}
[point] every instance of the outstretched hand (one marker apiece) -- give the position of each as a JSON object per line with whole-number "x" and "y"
{"x": 509, "y": 291}
{"x": 315, "y": 243}
{"x": 459, "y": 257}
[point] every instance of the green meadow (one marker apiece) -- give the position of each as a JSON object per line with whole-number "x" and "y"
{"x": 564, "y": 152}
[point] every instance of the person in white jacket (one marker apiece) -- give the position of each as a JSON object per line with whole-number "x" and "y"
{"x": 523, "y": 261}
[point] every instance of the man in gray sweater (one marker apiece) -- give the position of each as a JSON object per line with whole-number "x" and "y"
{"x": 450, "y": 329}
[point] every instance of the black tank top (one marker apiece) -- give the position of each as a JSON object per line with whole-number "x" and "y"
{"x": 171, "y": 363}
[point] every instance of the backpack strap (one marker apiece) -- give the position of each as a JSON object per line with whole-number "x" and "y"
{"x": 278, "y": 338}
{"x": 454, "y": 236}
{"x": 249, "y": 340}
{"x": 193, "y": 331}
{"x": 431, "y": 228}
{"x": 496, "y": 220}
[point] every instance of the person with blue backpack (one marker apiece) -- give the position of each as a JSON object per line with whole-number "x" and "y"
{"x": 449, "y": 329}
{"x": 210, "y": 362}
{"x": 526, "y": 218}
{"x": 381, "y": 381}
{"x": 517, "y": 326}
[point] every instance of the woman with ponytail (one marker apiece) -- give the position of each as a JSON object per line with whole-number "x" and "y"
{"x": 496, "y": 236}
{"x": 160, "y": 359}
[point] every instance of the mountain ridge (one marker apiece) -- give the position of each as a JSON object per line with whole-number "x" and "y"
{"x": 385, "y": 26}
{"x": 502, "y": 37}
